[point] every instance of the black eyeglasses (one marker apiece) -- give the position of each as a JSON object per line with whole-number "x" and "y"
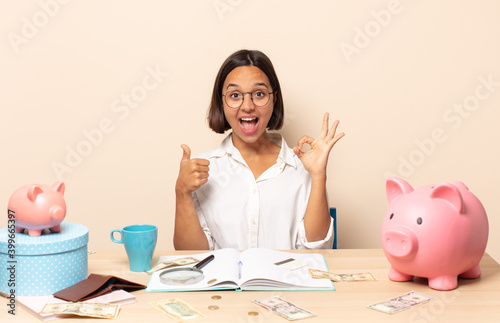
{"x": 234, "y": 99}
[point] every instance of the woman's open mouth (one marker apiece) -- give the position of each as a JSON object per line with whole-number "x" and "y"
{"x": 249, "y": 125}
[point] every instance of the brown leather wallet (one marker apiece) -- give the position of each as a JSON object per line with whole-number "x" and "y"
{"x": 96, "y": 285}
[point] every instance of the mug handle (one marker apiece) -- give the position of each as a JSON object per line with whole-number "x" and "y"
{"x": 121, "y": 236}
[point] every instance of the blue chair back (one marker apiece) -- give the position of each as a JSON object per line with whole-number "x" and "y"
{"x": 333, "y": 214}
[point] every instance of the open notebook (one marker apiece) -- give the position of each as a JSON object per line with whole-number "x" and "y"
{"x": 257, "y": 271}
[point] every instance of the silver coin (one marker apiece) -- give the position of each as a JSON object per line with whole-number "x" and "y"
{"x": 213, "y": 307}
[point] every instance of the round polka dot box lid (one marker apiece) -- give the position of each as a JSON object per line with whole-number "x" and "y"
{"x": 71, "y": 237}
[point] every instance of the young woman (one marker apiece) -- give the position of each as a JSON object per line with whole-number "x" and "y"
{"x": 260, "y": 192}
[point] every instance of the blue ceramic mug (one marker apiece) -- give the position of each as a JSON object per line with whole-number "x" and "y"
{"x": 140, "y": 243}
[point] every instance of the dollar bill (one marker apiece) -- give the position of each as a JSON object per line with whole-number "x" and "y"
{"x": 172, "y": 263}
{"x": 178, "y": 310}
{"x": 96, "y": 310}
{"x": 400, "y": 303}
{"x": 315, "y": 273}
{"x": 318, "y": 274}
{"x": 283, "y": 308}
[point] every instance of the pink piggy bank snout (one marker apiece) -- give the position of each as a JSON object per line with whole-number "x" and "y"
{"x": 400, "y": 242}
{"x": 57, "y": 213}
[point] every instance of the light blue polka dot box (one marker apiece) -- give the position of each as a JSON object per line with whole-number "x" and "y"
{"x": 35, "y": 266}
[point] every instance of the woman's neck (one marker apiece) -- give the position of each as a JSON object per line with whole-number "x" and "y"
{"x": 262, "y": 146}
{"x": 259, "y": 155}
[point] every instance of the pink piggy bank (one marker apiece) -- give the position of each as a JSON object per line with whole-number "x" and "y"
{"x": 438, "y": 232}
{"x": 38, "y": 207}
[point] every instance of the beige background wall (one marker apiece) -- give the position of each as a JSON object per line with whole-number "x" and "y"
{"x": 101, "y": 94}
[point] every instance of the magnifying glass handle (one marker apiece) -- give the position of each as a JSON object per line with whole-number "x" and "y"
{"x": 205, "y": 261}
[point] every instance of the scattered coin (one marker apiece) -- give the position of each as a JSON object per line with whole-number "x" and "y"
{"x": 213, "y": 307}
{"x": 216, "y": 297}
{"x": 211, "y": 281}
{"x": 252, "y": 313}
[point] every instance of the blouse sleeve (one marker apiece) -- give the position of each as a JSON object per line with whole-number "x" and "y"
{"x": 302, "y": 242}
{"x": 203, "y": 222}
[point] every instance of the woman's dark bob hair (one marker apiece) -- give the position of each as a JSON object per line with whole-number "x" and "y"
{"x": 216, "y": 119}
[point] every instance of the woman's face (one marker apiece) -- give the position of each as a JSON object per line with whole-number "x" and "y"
{"x": 248, "y": 122}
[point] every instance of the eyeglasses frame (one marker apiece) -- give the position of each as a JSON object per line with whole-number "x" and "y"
{"x": 243, "y": 99}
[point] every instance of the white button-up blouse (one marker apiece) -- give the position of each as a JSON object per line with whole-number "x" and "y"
{"x": 238, "y": 211}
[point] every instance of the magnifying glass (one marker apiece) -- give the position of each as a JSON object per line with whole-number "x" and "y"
{"x": 185, "y": 276}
